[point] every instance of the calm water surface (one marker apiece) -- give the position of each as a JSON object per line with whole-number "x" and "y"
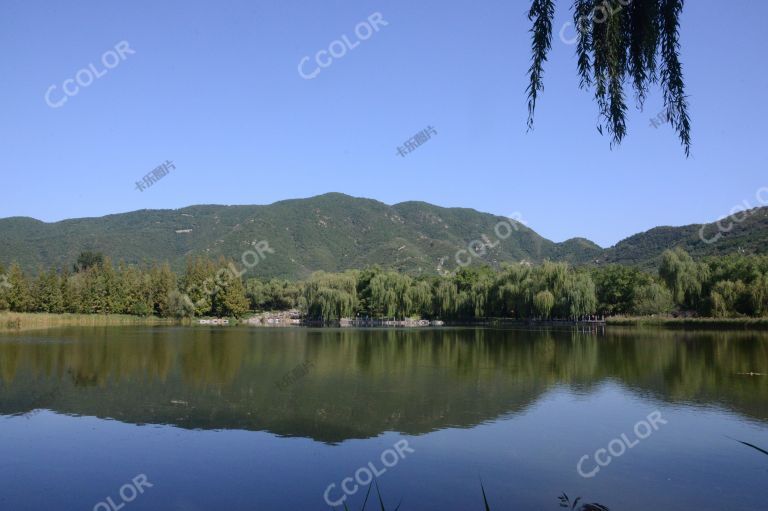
{"x": 228, "y": 419}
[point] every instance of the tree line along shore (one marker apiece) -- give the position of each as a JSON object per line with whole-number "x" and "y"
{"x": 732, "y": 286}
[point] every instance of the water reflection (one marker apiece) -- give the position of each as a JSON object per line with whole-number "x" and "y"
{"x": 364, "y": 382}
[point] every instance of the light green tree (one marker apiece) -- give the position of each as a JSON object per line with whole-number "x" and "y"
{"x": 230, "y": 299}
{"x": 543, "y": 303}
{"x": 19, "y": 296}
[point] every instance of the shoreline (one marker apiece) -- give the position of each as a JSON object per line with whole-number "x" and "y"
{"x": 690, "y": 323}
{"x": 21, "y": 321}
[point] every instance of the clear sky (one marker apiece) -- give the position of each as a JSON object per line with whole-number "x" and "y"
{"x": 214, "y": 87}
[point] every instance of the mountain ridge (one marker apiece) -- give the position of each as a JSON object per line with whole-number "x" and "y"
{"x": 335, "y": 231}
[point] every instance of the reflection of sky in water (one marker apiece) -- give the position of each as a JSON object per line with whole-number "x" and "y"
{"x": 57, "y": 461}
{"x": 516, "y": 409}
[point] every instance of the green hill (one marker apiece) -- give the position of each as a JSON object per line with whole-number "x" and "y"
{"x": 748, "y": 236}
{"x": 329, "y": 232}
{"x": 334, "y": 232}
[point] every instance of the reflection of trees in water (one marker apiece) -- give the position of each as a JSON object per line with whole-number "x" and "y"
{"x": 95, "y": 360}
{"x": 10, "y": 354}
{"x": 367, "y": 381}
{"x": 207, "y": 358}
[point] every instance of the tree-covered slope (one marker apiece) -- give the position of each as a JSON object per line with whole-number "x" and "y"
{"x": 331, "y": 232}
{"x": 745, "y": 233}
{"x": 334, "y": 232}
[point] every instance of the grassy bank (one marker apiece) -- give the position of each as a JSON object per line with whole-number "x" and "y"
{"x": 15, "y": 321}
{"x": 690, "y": 323}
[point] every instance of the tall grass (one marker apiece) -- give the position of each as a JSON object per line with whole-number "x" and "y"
{"x": 17, "y": 321}
{"x": 368, "y": 494}
{"x": 565, "y": 501}
{"x": 753, "y": 446}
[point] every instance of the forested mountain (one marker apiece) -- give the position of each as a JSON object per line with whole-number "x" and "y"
{"x": 330, "y": 232}
{"x": 334, "y": 232}
{"x": 744, "y": 233}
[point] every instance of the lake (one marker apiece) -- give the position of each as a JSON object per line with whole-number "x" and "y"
{"x": 175, "y": 418}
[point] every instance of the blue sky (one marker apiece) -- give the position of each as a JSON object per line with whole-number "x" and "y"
{"x": 214, "y": 87}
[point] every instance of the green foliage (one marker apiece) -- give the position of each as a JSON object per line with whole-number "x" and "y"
{"x": 615, "y": 287}
{"x": 411, "y": 238}
{"x": 445, "y": 300}
{"x": 683, "y": 277}
{"x": 46, "y": 293}
{"x": 745, "y": 234}
{"x": 162, "y": 281}
{"x": 390, "y": 296}
{"x": 330, "y": 297}
{"x": 651, "y": 299}
{"x": 230, "y": 300}
{"x": 88, "y": 259}
{"x": 179, "y": 305}
{"x": 759, "y": 295}
{"x": 276, "y": 294}
{"x": 729, "y": 298}
{"x": 331, "y": 232}
{"x": 724, "y": 287}
{"x": 199, "y": 284}
{"x": 19, "y": 296}
{"x": 419, "y": 296}
{"x": 543, "y": 303}
{"x": 4, "y": 305}
{"x": 617, "y": 43}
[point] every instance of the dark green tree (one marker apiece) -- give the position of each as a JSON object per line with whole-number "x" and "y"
{"x": 88, "y": 259}
{"x": 46, "y": 292}
{"x": 616, "y": 285}
{"x": 162, "y": 281}
{"x": 19, "y": 295}
{"x": 4, "y": 287}
{"x": 617, "y": 43}
{"x": 230, "y": 299}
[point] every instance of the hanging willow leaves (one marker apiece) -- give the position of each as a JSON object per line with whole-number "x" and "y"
{"x": 618, "y": 42}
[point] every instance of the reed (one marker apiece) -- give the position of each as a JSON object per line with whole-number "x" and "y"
{"x": 18, "y": 321}
{"x": 565, "y": 501}
{"x": 368, "y": 494}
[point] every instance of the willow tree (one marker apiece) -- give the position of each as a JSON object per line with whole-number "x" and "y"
{"x": 618, "y": 41}
{"x": 389, "y": 295}
{"x": 759, "y": 292}
{"x": 543, "y": 303}
{"x": 329, "y": 296}
{"x": 683, "y": 276}
{"x": 445, "y": 298}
